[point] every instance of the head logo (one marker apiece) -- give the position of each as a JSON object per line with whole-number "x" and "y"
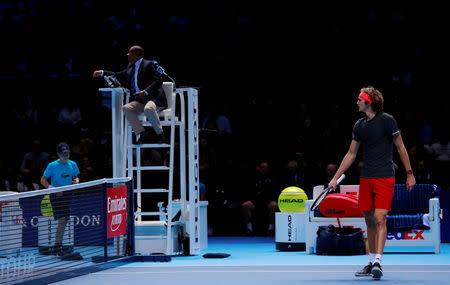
{"x": 289, "y": 228}
{"x": 287, "y": 200}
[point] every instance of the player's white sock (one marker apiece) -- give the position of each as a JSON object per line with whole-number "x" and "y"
{"x": 378, "y": 258}
{"x": 271, "y": 227}
{"x": 249, "y": 226}
{"x": 372, "y": 257}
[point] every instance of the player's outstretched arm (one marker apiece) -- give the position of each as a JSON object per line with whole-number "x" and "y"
{"x": 410, "y": 179}
{"x": 346, "y": 162}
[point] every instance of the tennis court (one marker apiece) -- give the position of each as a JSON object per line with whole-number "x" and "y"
{"x": 99, "y": 256}
{"x": 255, "y": 260}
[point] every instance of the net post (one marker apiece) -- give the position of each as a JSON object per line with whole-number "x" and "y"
{"x": 105, "y": 228}
{"x": 130, "y": 187}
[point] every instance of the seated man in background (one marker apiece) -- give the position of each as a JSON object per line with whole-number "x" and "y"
{"x": 261, "y": 202}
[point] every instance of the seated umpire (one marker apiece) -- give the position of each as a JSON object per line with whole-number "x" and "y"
{"x": 145, "y": 84}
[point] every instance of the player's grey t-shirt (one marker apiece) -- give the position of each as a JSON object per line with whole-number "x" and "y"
{"x": 376, "y": 138}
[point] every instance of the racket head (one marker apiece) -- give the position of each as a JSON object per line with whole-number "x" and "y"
{"x": 325, "y": 193}
{"x": 320, "y": 198}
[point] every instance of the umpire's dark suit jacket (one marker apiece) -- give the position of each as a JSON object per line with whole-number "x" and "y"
{"x": 148, "y": 79}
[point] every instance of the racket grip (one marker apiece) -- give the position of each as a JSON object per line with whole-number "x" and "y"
{"x": 342, "y": 177}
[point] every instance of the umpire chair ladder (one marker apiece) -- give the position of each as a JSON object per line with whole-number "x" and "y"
{"x": 127, "y": 160}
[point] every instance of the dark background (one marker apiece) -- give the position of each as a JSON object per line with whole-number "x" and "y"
{"x": 267, "y": 74}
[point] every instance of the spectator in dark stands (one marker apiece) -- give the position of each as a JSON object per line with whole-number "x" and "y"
{"x": 107, "y": 166}
{"x": 330, "y": 171}
{"x": 37, "y": 159}
{"x": 69, "y": 119}
{"x": 292, "y": 175}
{"x": 87, "y": 170}
{"x": 85, "y": 147}
{"x": 305, "y": 143}
{"x": 440, "y": 152}
{"x": 25, "y": 182}
{"x": 217, "y": 121}
{"x": 328, "y": 174}
{"x": 207, "y": 155}
{"x": 423, "y": 173}
{"x": 309, "y": 134}
{"x": 441, "y": 149}
{"x": 5, "y": 184}
{"x": 327, "y": 144}
{"x": 261, "y": 204}
{"x": 5, "y": 179}
{"x": 226, "y": 199}
{"x": 23, "y": 112}
{"x": 70, "y": 114}
{"x": 152, "y": 157}
{"x": 413, "y": 153}
{"x": 424, "y": 129}
{"x": 216, "y": 127}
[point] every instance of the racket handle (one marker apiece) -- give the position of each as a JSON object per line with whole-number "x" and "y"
{"x": 342, "y": 177}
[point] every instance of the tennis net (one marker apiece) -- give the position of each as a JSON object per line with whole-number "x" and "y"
{"x": 51, "y": 231}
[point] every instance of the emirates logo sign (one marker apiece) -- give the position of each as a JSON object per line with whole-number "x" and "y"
{"x": 116, "y": 211}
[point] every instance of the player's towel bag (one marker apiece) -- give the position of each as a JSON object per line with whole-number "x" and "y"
{"x": 339, "y": 241}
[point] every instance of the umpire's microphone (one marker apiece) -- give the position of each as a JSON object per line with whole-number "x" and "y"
{"x": 161, "y": 70}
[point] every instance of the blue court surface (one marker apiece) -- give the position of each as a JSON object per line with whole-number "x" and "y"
{"x": 255, "y": 260}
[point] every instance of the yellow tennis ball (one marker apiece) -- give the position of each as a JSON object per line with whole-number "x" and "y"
{"x": 292, "y": 199}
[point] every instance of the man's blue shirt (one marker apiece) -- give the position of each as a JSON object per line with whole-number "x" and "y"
{"x": 61, "y": 174}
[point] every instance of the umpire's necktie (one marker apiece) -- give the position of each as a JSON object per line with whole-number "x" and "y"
{"x": 133, "y": 80}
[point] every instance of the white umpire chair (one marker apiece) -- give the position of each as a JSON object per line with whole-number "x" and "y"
{"x": 165, "y": 232}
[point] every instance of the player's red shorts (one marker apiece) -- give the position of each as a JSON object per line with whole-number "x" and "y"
{"x": 375, "y": 193}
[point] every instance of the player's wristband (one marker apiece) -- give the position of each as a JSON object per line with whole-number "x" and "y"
{"x": 146, "y": 93}
{"x": 409, "y": 172}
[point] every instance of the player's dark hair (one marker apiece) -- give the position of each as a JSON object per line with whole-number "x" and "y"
{"x": 376, "y": 97}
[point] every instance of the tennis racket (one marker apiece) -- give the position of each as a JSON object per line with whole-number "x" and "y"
{"x": 325, "y": 193}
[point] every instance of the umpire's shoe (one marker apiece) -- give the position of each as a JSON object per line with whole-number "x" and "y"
{"x": 377, "y": 272}
{"x": 366, "y": 271}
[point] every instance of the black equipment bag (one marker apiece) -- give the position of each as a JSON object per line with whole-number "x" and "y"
{"x": 339, "y": 241}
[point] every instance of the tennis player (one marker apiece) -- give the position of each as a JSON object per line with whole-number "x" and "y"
{"x": 376, "y": 132}
{"x": 61, "y": 172}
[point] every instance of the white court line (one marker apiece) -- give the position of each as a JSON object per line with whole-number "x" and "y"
{"x": 272, "y": 265}
{"x": 265, "y": 271}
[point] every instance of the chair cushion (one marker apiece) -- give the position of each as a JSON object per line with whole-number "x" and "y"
{"x": 414, "y": 202}
{"x": 165, "y": 112}
{"x": 406, "y": 222}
